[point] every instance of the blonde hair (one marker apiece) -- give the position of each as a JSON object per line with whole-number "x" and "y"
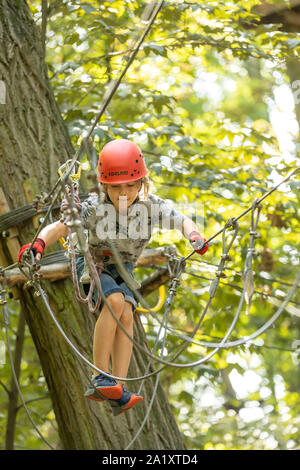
{"x": 145, "y": 187}
{"x": 143, "y": 191}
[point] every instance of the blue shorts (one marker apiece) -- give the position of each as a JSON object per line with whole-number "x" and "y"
{"x": 109, "y": 282}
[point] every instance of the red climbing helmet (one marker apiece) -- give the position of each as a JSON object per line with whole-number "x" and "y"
{"x": 121, "y": 161}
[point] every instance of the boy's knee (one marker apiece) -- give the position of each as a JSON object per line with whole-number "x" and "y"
{"x": 127, "y": 315}
{"x": 117, "y": 302}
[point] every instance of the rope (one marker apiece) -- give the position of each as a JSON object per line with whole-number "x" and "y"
{"x": 162, "y": 326}
{"x": 212, "y": 293}
{"x": 235, "y": 286}
{"x": 179, "y": 332}
{"x": 259, "y": 201}
{"x": 107, "y": 99}
{"x": 258, "y": 276}
{"x": 246, "y": 338}
{"x": 178, "y": 263}
{"x": 165, "y": 319}
{"x": 58, "y": 183}
{"x": 213, "y": 288}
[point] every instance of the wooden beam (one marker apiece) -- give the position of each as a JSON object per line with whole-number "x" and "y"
{"x": 155, "y": 255}
{"x": 62, "y": 270}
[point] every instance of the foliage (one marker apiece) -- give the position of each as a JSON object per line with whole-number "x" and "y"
{"x": 198, "y": 99}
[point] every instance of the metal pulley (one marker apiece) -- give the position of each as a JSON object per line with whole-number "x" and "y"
{"x": 75, "y": 173}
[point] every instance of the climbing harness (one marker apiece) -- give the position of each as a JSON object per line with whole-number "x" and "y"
{"x": 160, "y": 302}
{"x": 74, "y": 175}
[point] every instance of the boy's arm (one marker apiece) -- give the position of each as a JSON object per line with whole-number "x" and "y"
{"x": 47, "y": 236}
{"x": 53, "y": 232}
{"x": 188, "y": 226}
{"x": 190, "y": 231}
{"x": 169, "y": 218}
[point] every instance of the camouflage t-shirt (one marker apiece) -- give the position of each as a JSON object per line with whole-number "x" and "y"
{"x": 130, "y": 233}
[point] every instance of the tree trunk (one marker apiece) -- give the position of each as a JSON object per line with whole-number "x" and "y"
{"x": 33, "y": 143}
{"x": 13, "y": 395}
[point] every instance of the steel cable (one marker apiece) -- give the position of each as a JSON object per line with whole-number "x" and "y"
{"x": 6, "y": 323}
{"x": 59, "y": 182}
{"x": 107, "y": 99}
{"x": 164, "y": 362}
{"x": 164, "y": 322}
{"x": 168, "y": 363}
{"x": 95, "y": 274}
{"x": 223, "y": 342}
{"x": 259, "y": 201}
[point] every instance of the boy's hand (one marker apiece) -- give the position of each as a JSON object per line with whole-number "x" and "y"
{"x": 37, "y": 248}
{"x": 197, "y": 243}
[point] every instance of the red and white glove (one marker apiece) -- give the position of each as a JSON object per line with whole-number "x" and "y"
{"x": 37, "y": 247}
{"x": 197, "y": 243}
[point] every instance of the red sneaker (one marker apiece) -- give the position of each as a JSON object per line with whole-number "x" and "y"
{"x": 127, "y": 401}
{"x": 103, "y": 388}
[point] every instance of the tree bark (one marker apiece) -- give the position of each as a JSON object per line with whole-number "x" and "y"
{"x": 33, "y": 143}
{"x": 13, "y": 392}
